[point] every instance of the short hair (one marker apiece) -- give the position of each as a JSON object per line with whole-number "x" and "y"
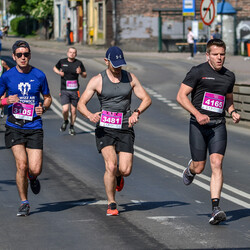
{"x": 216, "y": 42}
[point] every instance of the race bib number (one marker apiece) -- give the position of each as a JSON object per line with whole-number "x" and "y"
{"x": 213, "y": 102}
{"x": 111, "y": 119}
{"x": 72, "y": 84}
{"x": 23, "y": 111}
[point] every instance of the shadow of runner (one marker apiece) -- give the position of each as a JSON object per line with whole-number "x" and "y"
{"x": 143, "y": 206}
{"x": 62, "y": 205}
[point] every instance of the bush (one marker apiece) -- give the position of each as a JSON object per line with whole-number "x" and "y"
{"x": 24, "y": 26}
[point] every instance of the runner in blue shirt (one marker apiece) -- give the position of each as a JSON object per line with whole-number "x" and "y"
{"x": 24, "y": 133}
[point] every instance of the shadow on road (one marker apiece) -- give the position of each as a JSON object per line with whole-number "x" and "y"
{"x": 143, "y": 206}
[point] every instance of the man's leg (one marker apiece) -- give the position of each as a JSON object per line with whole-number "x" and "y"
{"x": 217, "y": 175}
{"x": 65, "y": 111}
{"x": 215, "y": 187}
{"x": 35, "y": 158}
{"x": 125, "y": 163}
{"x": 110, "y": 159}
{"x": 73, "y": 114}
{"x": 20, "y": 156}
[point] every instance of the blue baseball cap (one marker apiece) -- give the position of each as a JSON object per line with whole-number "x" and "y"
{"x": 115, "y": 56}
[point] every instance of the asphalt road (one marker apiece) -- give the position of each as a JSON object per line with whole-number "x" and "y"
{"x": 156, "y": 210}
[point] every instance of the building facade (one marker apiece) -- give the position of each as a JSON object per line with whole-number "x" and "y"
{"x": 135, "y": 25}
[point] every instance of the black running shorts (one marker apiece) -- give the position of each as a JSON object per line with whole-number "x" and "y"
{"x": 68, "y": 97}
{"x": 32, "y": 138}
{"x": 207, "y": 137}
{"x": 122, "y": 139}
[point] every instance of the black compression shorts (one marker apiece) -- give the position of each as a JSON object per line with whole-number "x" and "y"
{"x": 207, "y": 137}
{"x": 122, "y": 139}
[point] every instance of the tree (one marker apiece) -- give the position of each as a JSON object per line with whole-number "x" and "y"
{"x": 42, "y": 10}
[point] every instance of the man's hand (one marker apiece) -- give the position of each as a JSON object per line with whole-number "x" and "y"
{"x": 133, "y": 119}
{"x": 39, "y": 109}
{"x": 12, "y": 99}
{"x": 61, "y": 73}
{"x": 94, "y": 117}
{"x": 235, "y": 117}
{"x": 202, "y": 119}
{"x": 78, "y": 70}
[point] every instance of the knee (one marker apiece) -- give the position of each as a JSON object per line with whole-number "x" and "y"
{"x": 111, "y": 168}
{"x": 22, "y": 167}
{"x": 126, "y": 171}
{"x": 198, "y": 167}
{"x": 216, "y": 164}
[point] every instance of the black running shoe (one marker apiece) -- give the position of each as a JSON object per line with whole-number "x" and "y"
{"x": 217, "y": 216}
{"x": 72, "y": 131}
{"x": 64, "y": 125}
{"x": 24, "y": 209}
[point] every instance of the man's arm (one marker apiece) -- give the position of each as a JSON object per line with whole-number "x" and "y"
{"x": 141, "y": 93}
{"x": 92, "y": 87}
{"x": 58, "y": 71}
{"x": 183, "y": 100}
{"x": 46, "y": 104}
{"x": 231, "y": 109}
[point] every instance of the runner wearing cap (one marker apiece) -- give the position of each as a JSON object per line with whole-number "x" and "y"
{"x": 114, "y": 123}
{"x": 69, "y": 69}
{"x": 24, "y": 133}
{"x": 211, "y": 87}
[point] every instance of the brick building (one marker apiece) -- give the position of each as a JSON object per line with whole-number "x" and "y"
{"x": 134, "y": 25}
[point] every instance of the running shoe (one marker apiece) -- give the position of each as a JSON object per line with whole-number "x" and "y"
{"x": 1, "y": 114}
{"x": 217, "y": 216}
{"x": 24, "y": 209}
{"x": 34, "y": 184}
{"x": 64, "y": 125}
{"x": 188, "y": 177}
{"x": 112, "y": 210}
{"x": 120, "y": 183}
{"x": 72, "y": 131}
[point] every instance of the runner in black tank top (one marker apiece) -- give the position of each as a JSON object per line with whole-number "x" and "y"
{"x": 115, "y": 121}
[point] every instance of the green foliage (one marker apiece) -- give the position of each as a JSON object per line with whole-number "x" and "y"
{"x": 23, "y": 26}
{"x": 40, "y": 9}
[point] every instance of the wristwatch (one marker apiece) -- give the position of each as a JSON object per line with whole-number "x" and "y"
{"x": 44, "y": 109}
{"x": 138, "y": 111}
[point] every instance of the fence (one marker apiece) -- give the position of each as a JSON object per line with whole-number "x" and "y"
{"x": 242, "y": 100}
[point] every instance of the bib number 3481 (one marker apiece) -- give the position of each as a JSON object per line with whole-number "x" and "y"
{"x": 111, "y": 119}
{"x": 213, "y": 102}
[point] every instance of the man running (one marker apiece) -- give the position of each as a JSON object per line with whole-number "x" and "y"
{"x": 114, "y": 128}
{"x": 24, "y": 133}
{"x": 3, "y": 67}
{"x": 69, "y": 69}
{"x": 211, "y": 87}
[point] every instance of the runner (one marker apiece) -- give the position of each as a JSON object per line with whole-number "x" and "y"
{"x": 69, "y": 69}
{"x": 114, "y": 128}
{"x": 211, "y": 87}
{"x": 24, "y": 133}
{"x": 3, "y": 67}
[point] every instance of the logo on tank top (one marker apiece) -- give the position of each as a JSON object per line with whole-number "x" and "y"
{"x": 24, "y": 88}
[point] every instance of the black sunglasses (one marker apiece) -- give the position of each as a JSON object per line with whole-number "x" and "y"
{"x": 19, "y": 55}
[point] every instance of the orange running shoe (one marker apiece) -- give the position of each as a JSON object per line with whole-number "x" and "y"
{"x": 120, "y": 183}
{"x": 112, "y": 210}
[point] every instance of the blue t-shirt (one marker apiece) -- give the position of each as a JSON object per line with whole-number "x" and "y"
{"x": 28, "y": 87}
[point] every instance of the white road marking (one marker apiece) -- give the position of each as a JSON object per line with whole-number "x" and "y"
{"x": 147, "y": 156}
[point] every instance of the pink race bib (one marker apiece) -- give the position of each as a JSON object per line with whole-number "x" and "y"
{"x": 213, "y": 102}
{"x": 23, "y": 111}
{"x": 111, "y": 119}
{"x": 72, "y": 84}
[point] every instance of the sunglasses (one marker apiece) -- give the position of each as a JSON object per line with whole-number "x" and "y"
{"x": 19, "y": 55}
